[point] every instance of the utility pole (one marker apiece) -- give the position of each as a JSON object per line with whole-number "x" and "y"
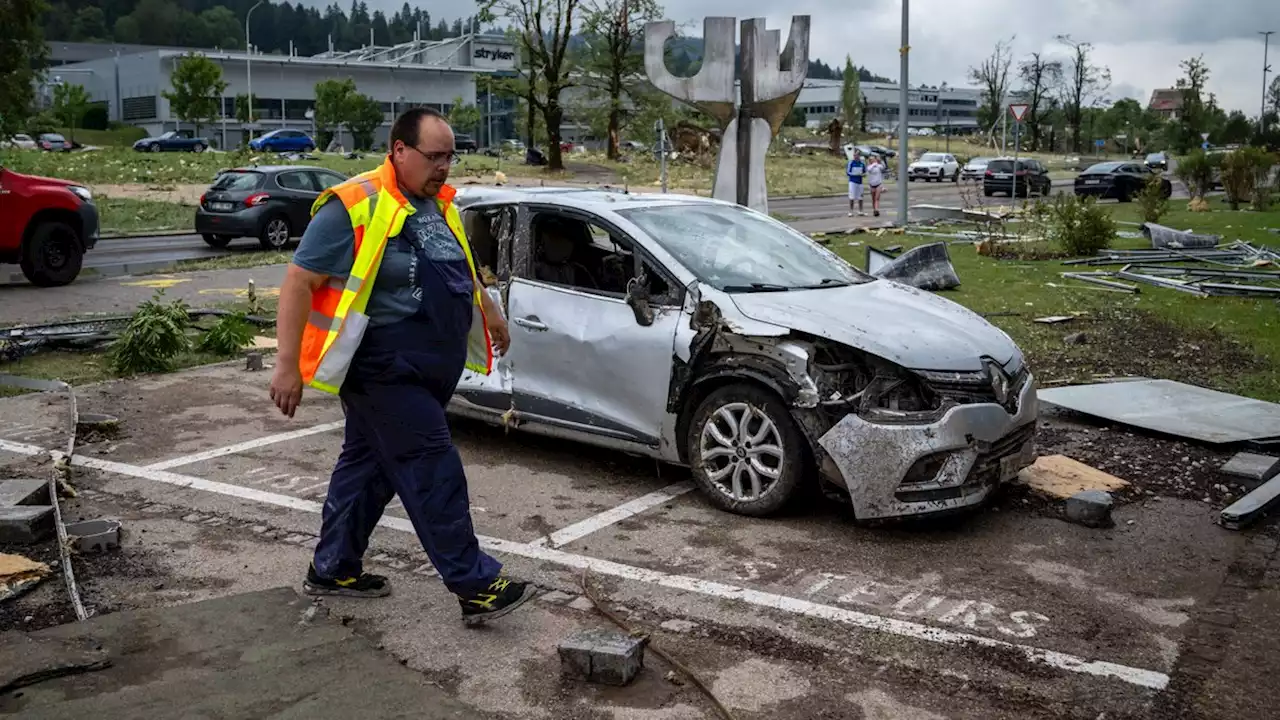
{"x": 1262, "y": 116}
{"x": 248, "y": 71}
{"x": 902, "y": 120}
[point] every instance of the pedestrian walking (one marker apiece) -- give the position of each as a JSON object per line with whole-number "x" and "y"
{"x": 875, "y": 181}
{"x": 855, "y": 170}
{"x": 382, "y": 306}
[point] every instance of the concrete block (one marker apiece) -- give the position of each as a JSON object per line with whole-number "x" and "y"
{"x": 1259, "y": 468}
{"x": 24, "y": 491}
{"x": 25, "y": 524}
{"x": 1091, "y": 508}
{"x": 609, "y": 657}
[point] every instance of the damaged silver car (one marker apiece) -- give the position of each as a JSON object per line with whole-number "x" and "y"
{"x": 706, "y": 334}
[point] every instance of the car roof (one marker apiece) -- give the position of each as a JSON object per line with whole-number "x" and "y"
{"x": 603, "y": 199}
{"x": 271, "y": 169}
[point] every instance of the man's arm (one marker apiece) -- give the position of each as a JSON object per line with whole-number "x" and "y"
{"x": 497, "y": 323}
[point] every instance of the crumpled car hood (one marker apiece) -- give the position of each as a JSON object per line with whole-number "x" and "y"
{"x": 911, "y": 327}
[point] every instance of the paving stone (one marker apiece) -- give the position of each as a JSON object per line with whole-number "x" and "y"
{"x": 1260, "y": 468}
{"x": 24, "y": 491}
{"x": 605, "y": 656}
{"x": 25, "y": 524}
{"x": 1091, "y": 508}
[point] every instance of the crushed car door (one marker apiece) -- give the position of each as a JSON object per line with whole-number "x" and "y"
{"x": 489, "y": 230}
{"x": 583, "y": 358}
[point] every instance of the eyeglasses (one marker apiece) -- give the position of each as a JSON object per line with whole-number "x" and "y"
{"x": 449, "y": 157}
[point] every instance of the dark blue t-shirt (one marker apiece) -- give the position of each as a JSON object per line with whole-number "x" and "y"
{"x": 327, "y": 247}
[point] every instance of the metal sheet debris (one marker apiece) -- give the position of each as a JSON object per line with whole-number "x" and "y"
{"x": 1160, "y": 405}
{"x": 1167, "y": 237}
{"x": 1055, "y": 319}
{"x": 1238, "y": 270}
{"x": 1252, "y": 507}
{"x": 927, "y": 267}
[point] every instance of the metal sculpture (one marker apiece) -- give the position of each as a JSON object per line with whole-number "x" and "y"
{"x": 749, "y": 117}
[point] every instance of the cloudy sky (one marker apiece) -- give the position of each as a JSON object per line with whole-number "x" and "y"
{"x": 1141, "y": 41}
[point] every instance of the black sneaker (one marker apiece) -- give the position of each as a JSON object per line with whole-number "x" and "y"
{"x": 366, "y": 585}
{"x": 501, "y": 597}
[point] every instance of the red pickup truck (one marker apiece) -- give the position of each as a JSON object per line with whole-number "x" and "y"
{"x": 46, "y": 226}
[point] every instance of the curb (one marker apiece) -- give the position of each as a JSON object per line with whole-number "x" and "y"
{"x": 161, "y": 233}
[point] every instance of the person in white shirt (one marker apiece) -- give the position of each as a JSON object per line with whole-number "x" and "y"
{"x": 875, "y": 181}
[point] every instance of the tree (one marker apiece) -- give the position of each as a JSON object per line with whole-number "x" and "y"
{"x": 1194, "y": 117}
{"x": 1084, "y": 85}
{"x": 22, "y": 52}
{"x": 464, "y": 117}
{"x": 70, "y": 103}
{"x": 992, "y": 75}
{"x": 332, "y": 103}
{"x": 1236, "y": 130}
{"x": 1039, "y": 77}
{"x": 543, "y": 30}
{"x": 90, "y": 25}
{"x": 613, "y": 62}
{"x": 850, "y": 96}
{"x": 363, "y": 116}
{"x": 1273, "y": 95}
{"x": 197, "y": 89}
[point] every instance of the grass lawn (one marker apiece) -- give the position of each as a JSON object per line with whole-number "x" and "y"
{"x": 127, "y": 215}
{"x": 237, "y": 260}
{"x": 1228, "y": 344}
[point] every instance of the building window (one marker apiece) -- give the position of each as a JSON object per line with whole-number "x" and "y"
{"x": 138, "y": 108}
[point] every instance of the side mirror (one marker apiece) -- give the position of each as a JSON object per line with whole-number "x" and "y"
{"x": 638, "y": 300}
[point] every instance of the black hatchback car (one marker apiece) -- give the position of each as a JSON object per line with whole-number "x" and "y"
{"x": 1032, "y": 177}
{"x": 1118, "y": 180}
{"x": 270, "y": 203}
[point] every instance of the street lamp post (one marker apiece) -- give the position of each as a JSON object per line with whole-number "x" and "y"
{"x": 902, "y": 123}
{"x": 248, "y": 70}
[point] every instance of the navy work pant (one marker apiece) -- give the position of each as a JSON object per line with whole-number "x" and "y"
{"x": 398, "y": 443}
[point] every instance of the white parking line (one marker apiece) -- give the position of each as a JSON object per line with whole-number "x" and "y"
{"x": 1064, "y": 661}
{"x": 247, "y": 445}
{"x": 581, "y": 529}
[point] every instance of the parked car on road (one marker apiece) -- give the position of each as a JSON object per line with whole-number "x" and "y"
{"x": 270, "y": 203}
{"x": 1118, "y": 180}
{"x": 1031, "y": 177}
{"x": 707, "y": 334}
{"x": 1157, "y": 161}
{"x": 974, "y": 169}
{"x": 934, "y": 166}
{"x": 172, "y": 141}
{"x": 283, "y": 140}
{"x": 53, "y": 142}
{"x": 464, "y": 143}
{"x": 46, "y": 226}
{"x": 21, "y": 141}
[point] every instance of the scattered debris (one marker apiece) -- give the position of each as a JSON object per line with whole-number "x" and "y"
{"x": 253, "y": 362}
{"x": 95, "y": 535}
{"x": 1159, "y": 405}
{"x": 25, "y": 524}
{"x": 1251, "y": 507}
{"x": 1077, "y": 338}
{"x": 1098, "y": 278}
{"x": 678, "y": 626}
{"x": 1091, "y": 508}
{"x": 927, "y": 267}
{"x": 1059, "y": 477}
{"x": 926, "y": 213}
{"x": 19, "y": 574}
{"x": 20, "y": 341}
{"x": 609, "y": 657}
{"x": 1253, "y": 466}
{"x": 1167, "y": 237}
{"x": 92, "y": 427}
{"x": 1055, "y": 319}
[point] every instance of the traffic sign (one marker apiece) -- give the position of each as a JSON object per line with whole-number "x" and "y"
{"x": 1100, "y": 143}
{"x": 1204, "y": 136}
{"x": 1018, "y": 110}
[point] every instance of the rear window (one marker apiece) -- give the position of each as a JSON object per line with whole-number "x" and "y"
{"x": 233, "y": 181}
{"x": 1103, "y": 168}
{"x": 1000, "y": 165}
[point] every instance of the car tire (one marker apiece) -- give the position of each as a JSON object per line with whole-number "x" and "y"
{"x": 956, "y": 177}
{"x": 777, "y": 448}
{"x": 988, "y": 192}
{"x": 197, "y": 148}
{"x": 275, "y": 233}
{"x": 53, "y": 255}
{"x": 154, "y": 147}
{"x": 217, "y": 241}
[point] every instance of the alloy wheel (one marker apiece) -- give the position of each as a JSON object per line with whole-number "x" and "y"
{"x": 741, "y": 449}
{"x": 277, "y": 232}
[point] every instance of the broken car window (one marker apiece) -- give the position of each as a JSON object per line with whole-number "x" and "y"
{"x": 575, "y": 253}
{"x": 735, "y": 250}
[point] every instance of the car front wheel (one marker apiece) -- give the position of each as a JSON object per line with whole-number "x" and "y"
{"x": 745, "y": 451}
{"x": 53, "y": 255}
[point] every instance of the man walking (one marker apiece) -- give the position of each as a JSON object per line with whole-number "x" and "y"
{"x": 382, "y": 306}
{"x": 854, "y": 170}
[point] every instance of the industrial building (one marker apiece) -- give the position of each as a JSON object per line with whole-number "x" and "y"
{"x": 130, "y": 80}
{"x": 928, "y": 107}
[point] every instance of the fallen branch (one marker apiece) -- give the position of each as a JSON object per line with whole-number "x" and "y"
{"x": 586, "y": 590}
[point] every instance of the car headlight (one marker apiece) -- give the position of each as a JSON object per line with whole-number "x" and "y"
{"x": 82, "y": 192}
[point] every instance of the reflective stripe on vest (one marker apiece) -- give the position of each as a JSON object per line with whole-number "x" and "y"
{"x": 337, "y": 321}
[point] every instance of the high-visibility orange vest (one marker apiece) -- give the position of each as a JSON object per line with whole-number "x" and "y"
{"x": 337, "y": 321}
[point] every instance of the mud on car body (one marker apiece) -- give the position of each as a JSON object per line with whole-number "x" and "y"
{"x": 705, "y": 334}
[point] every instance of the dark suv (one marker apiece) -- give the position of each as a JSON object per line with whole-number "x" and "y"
{"x": 1032, "y": 176}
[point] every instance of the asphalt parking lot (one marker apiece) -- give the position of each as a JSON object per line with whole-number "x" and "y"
{"x": 1008, "y": 612}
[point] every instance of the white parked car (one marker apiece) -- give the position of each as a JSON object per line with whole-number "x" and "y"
{"x": 21, "y": 141}
{"x": 710, "y": 335}
{"x": 935, "y": 166}
{"x": 975, "y": 168}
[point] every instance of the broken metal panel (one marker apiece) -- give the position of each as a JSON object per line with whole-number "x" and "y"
{"x": 1252, "y": 507}
{"x": 1167, "y": 237}
{"x": 1101, "y": 281}
{"x": 874, "y": 459}
{"x": 1163, "y": 282}
{"x": 1161, "y": 406}
{"x": 927, "y": 267}
{"x": 877, "y": 259}
{"x": 791, "y": 355}
{"x": 582, "y": 359}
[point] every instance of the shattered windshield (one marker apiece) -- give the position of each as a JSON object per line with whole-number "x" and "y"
{"x": 735, "y": 250}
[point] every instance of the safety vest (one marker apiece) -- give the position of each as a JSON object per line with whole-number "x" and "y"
{"x": 337, "y": 320}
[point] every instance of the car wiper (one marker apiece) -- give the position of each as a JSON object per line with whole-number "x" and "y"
{"x": 827, "y": 282}
{"x": 756, "y": 287}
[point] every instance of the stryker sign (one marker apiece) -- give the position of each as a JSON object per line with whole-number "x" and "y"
{"x": 492, "y": 55}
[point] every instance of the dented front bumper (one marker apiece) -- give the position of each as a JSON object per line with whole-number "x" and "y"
{"x": 895, "y": 470}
